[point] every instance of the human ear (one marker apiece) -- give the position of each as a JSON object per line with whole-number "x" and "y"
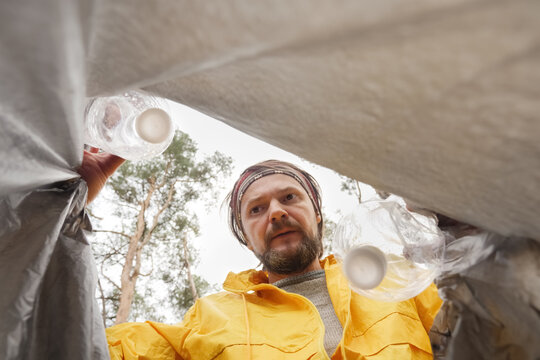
{"x": 318, "y": 218}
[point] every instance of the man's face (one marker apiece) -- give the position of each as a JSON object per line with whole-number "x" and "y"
{"x": 280, "y": 224}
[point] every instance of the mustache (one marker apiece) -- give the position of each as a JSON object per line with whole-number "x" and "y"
{"x": 280, "y": 225}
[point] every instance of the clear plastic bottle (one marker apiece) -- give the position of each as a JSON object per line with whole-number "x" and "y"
{"x": 387, "y": 252}
{"x": 132, "y": 125}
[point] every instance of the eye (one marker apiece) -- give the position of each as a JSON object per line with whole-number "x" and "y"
{"x": 289, "y": 197}
{"x": 255, "y": 210}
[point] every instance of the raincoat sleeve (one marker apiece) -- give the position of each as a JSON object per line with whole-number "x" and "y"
{"x": 132, "y": 341}
{"x": 149, "y": 340}
{"x": 428, "y": 304}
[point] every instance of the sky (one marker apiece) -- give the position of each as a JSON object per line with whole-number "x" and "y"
{"x": 219, "y": 251}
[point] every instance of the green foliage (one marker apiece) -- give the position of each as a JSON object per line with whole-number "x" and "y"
{"x": 164, "y": 191}
{"x": 328, "y": 234}
{"x": 182, "y": 298}
{"x": 142, "y": 308}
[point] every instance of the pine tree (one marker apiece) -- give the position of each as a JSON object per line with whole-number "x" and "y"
{"x": 145, "y": 257}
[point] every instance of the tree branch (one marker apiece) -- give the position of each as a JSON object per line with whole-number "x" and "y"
{"x": 167, "y": 167}
{"x": 113, "y": 232}
{"x": 128, "y": 205}
{"x": 359, "y": 192}
{"x": 130, "y": 271}
{"x": 92, "y": 214}
{"x": 187, "y": 265}
{"x": 110, "y": 280}
{"x": 155, "y": 220}
{"x": 107, "y": 256}
{"x": 103, "y": 310}
{"x": 112, "y": 250}
{"x": 151, "y": 270}
{"x": 148, "y": 235}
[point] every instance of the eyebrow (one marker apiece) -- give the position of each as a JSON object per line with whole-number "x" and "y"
{"x": 259, "y": 198}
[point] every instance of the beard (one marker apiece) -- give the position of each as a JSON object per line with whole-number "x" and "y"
{"x": 290, "y": 261}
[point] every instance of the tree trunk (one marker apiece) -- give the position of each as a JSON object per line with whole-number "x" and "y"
{"x": 358, "y": 191}
{"x": 103, "y": 309}
{"x": 126, "y": 298}
{"x": 130, "y": 270}
{"x": 129, "y": 277}
{"x": 194, "y": 292}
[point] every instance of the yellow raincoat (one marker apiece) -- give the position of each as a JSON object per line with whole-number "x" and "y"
{"x": 255, "y": 320}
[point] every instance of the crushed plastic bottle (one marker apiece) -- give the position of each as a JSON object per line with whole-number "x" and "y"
{"x": 387, "y": 252}
{"x": 132, "y": 125}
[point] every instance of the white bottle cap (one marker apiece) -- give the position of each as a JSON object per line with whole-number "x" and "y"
{"x": 154, "y": 125}
{"x": 365, "y": 267}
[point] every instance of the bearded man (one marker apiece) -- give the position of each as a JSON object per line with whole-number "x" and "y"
{"x": 298, "y": 306}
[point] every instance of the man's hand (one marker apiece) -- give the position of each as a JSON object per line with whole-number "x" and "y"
{"x": 96, "y": 169}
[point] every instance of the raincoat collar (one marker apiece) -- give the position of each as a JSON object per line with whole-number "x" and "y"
{"x": 252, "y": 280}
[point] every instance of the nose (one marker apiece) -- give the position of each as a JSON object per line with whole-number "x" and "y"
{"x": 277, "y": 212}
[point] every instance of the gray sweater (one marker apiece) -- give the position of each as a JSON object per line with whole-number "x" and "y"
{"x": 312, "y": 285}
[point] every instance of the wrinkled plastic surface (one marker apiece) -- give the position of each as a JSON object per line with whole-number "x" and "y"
{"x": 41, "y": 93}
{"x": 47, "y": 273}
{"x": 491, "y": 300}
{"x": 423, "y": 93}
{"x": 48, "y": 277}
{"x": 412, "y": 244}
{"x": 132, "y": 125}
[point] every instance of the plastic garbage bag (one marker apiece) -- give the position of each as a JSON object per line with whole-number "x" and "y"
{"x": 48, "y": 277}
{"x": 47, "y": 273}
{"x": 491, "y": 300}
{"x": 42, "y": 67}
